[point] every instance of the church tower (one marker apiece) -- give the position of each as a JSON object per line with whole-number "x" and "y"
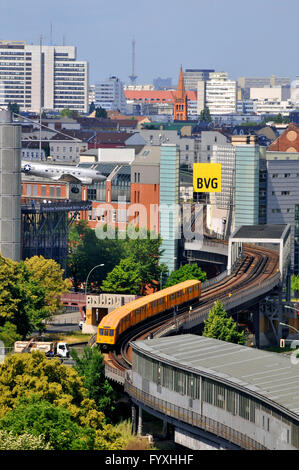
{"x": 180, "y": 112}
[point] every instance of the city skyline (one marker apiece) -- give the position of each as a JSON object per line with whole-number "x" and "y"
{"x": 202, "y": 34}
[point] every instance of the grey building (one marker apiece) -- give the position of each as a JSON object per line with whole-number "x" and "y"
{"x": 10, "y": 187}
{"x": 283, "y": 196}
{"x": 188, "y": 146}
{"x": 208, "y": 140}
{"x": 193, "y": 76}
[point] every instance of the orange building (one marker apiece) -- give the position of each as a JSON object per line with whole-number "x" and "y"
{"x": 288, "y": 141}
{"x": 180, "y": 110}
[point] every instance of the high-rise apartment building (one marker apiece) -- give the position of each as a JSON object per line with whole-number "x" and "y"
{"x": 38, "y": 76}
{"x": 110, "y": 95}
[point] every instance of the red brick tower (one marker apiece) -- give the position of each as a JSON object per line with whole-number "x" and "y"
{"x": 180, "y": 112}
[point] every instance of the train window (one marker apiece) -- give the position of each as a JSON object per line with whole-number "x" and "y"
{"x": 155, "y": 303}
{"x": 101, "y": 332}
{"x": 111, "y": 332}
{"x": 178, "y": 294}
{"x": 137, "y": 311}
{"x": 172, "y": 296}
{"x": 106, "y": 332}
{"x": 190, "y": 289}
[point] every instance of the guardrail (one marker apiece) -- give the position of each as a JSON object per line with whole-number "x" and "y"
{"x": 115, "y": 374}
{"x": 238, "y": 299}
{"x": 192, "y": 418}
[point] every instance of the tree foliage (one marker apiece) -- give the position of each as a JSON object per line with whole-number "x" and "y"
{"x": 69, "y": 113}
{"x": 9, "y": 334}
{"x": 142, "y": 254}
{"x": 205, "y": 115}
{"x": 43, "y": 397}
{"x": 90, "y": 366}
{"x": 101, "y": 113}
{"x": 87, "y": 251}
{"x": 49, "y": 273}
{"x": 125, "y": 278}
{"x": 26, "y": 441}
{"x": 220, "y": 325}
{"x": 186, "y": 273}
{"x": 295, "y": 285}
{"x": 13, "y": 108}
{"x": 22, "y": 297}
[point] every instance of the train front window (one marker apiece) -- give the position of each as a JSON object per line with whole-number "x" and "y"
{"x": 111, "y": 332}
{"x": 101, "y": 332}
{"x": 106, "y": 332}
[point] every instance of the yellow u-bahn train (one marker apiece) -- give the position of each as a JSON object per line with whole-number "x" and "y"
{"x": 113, "y": 325}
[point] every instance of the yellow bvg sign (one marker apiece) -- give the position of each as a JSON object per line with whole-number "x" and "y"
{"x": 207, "y": 177}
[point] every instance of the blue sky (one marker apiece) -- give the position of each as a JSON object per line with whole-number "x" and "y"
{"x": 243, "y": 37}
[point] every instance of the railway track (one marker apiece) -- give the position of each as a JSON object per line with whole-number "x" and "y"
{"x": 258, "y": 265}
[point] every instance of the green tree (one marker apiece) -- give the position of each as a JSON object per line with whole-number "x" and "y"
{"x": 87, "y": 251}
{"x": 45, "y": 397}
{"x": 22, "y": 297}
{"x": 68, "y": 113}
{"x": 146, "y": 252}
{"x": 295, "y": 285}
{"x": 92, "y": 107}
{"x": 13, "y": 108}
{"x": 220, "y": 325}
{"x": 49, "y": 273}
{"x": 101, "y": 113}
{"x": 205, "y": 115}
{"x": 90, "y": 366}
{"x": 9, "y": 334}
{"x": 125, "y": 278}
{"x": 55, "y": 423}
{"x": 186, "y": 273}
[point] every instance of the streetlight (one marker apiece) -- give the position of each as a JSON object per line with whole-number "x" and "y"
{"x": 86, "y": 282}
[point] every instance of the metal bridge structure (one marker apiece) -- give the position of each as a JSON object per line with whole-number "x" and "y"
{"x": 45, "y": 228}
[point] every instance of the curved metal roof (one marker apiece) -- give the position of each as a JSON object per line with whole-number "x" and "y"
{"x": 265, "y": 375}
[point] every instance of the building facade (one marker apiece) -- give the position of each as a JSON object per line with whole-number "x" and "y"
{"x": 42, "y": 77}
{"x": 218, "y": 94}
{"x": 110, "y": 95}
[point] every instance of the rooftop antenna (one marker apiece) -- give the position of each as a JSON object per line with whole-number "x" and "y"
{"x": 133, "y": 77}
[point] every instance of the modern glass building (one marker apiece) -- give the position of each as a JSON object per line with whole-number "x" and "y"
{"x": 247, "y": 185}
{"x": 169, "y": 204}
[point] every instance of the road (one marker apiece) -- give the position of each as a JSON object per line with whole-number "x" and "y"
{"x": 64, "y": 323}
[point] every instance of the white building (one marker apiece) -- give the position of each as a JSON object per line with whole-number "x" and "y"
{"x": 38, "y": 76}
{"x": 219, "y": 95}
{"x": 110, "y": 95}
{"x": 270, "y": 93}
{"x": 91, "y": 94}
{"x": 273, "y": 107}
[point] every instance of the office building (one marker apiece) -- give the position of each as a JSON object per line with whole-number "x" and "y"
{"x": 110, "y": 95}
{"x": 192, "y": 76}
{"x": 169, "y": 222}
{"x": 218, "y": 94}
{"x": 38, "y": 76}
